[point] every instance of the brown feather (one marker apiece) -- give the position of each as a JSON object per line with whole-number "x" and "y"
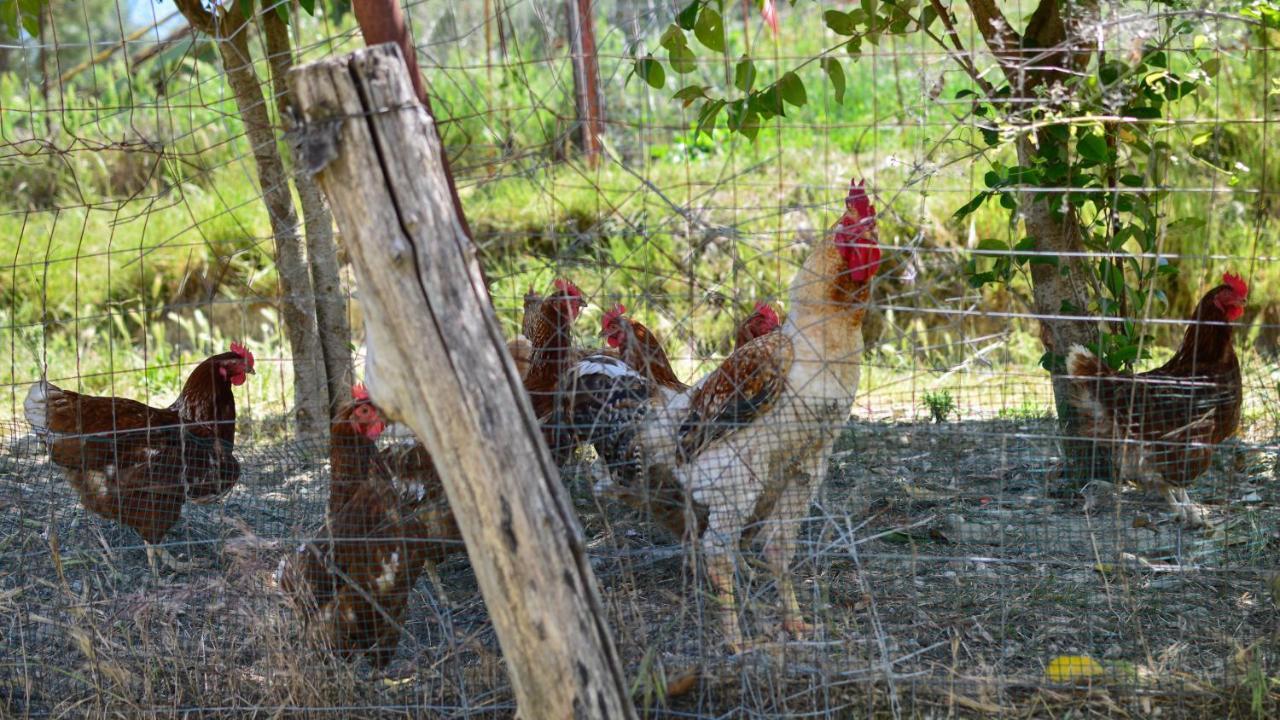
{"x": 744, "y": 387}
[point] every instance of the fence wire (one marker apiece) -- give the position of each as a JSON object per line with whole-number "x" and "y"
{"x": 950, "y": 558}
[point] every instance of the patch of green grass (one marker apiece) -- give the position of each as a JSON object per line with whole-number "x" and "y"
{"x": 941, "y": 405}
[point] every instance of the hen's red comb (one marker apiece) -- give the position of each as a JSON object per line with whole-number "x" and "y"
{"x": 566, "y": 286}
{"x": 243, "y": 352}
{"x": 359, "y": 392}
{"x": 857, "y": 201}
{"x": 612, "y": 314}
{"x": 766, "y": 311}
{"x": 1236, "y": 283}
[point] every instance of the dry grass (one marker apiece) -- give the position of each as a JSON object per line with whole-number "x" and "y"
{"x": 943, "y": 576}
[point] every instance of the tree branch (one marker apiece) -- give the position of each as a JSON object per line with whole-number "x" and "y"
{"x": 960, "y": 55}
{"x": 1001, "y": 38}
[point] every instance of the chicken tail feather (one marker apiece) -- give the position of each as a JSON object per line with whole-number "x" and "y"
{"x": 36, "y": 406}
{"x": 1082, "y": 363}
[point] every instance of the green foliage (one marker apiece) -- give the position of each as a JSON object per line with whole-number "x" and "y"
{"x": 17, "y": 16}
{"x": 1103, "y": 143}
{"x": 1103, "y": 159}
{"x": 941, "y": 405}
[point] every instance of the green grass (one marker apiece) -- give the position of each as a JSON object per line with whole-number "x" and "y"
{"x": 106, "y": 252}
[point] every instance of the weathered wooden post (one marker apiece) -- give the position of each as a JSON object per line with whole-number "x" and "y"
{"x": 588, "y": 98}
{"x": 441, "y": 365}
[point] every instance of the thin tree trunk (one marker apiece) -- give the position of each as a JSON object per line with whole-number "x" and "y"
{"x": 298, "y": 308}
{"x": 322, "y": 253}
{"x": 588, "y": 99}
{"x": 1046, "y": 52}
{"x": 1061, "y": 291}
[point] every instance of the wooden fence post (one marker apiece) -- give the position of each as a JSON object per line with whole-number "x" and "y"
{"x": 588, "y": 98}
{"x": 441, "y": 365}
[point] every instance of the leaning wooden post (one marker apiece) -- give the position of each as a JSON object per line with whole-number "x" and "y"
{"x": 441, "y": 365}
{"x": 588, "y": 98}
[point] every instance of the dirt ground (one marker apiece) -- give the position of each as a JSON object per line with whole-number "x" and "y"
{"x": 942, "y": 569}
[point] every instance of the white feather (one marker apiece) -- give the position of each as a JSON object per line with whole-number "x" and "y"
{"x": 603, "y": 365}
{"x": 36, "y": 406}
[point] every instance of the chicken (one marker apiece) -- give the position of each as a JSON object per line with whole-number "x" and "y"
{"x": 762, "y": 321}
{"x": 388, "y": 520}
{"x": 639, "y": 348}
{"x": 551, "y": 335}
{"x": 750, "y": 442}
{"x": 1162, "y": 425}
{"x": 137, "y": 464}
{"x": 520, "y": 347}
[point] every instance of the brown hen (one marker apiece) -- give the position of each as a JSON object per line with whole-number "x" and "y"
{"x": 137, "y": 464}
{"x": 388, "y": 520}
{"x": 1163, "y": 425}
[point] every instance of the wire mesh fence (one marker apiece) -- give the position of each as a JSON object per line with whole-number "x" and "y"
{"x": 951, "y": 552}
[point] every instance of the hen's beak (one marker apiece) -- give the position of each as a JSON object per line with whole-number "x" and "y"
{"x": 250, "y": 371}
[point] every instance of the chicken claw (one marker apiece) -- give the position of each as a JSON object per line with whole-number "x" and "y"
{"x": 157, "y": 552}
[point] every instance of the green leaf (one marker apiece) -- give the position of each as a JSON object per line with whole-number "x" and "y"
{"x": 835, "y": 73}
{"x": 710, "y": 29}
{"x": 1131, "y": 180}
{"x": 688, "y": 17}
{"x": 707, "y": 116}
{"x": 1121, "y": 357}
{"x": 1092, "y": 147}
{"x": 993, "y": 244}
{"x": 839, "y": 22}
{"x": 672, "y": 38}
{"x": 792, "y": 89}
{"x": 246, "y": 8}
{"x": 768, "y": 102}
{"x": 651, "y": 71}
{"x": 28, "y": 11}
{"x": 683, "y": 60}
{"x": 743, "y": 120}
{"x": 691, "y": 94}
{"x": 927, "y": 17}
{"x": 854, "y": 47}
{"x": 869, "y": 7}
{"x": 972, "y": 205}
{"x": 744, "y": 75}
{"x": 308, "y": 6}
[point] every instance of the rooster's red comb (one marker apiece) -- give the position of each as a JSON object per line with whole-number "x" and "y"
{"x": 611, "y": 315}
{"x": 857, "y": 202}
{"x": 359, "y": 392}
{"x": 566, "y": 286}
{"x": 243, "y": 352}
{"x": 1236, "y": 283}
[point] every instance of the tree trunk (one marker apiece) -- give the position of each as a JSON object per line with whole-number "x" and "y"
{"x": 588, "y": 99}
{"x": 1050, "y": 50}
{"x": 331, "y": 307}
{"x": 230, "y": 31}
{"x": 1060, "y": 292}
{"x": 442, "y": 366}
